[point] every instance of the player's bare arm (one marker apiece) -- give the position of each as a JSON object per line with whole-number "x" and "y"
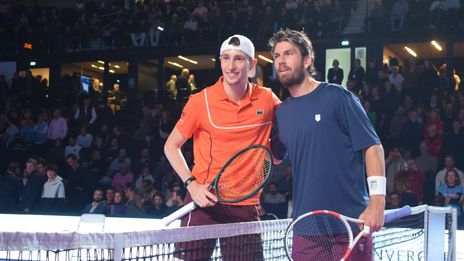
{"x": 373, "y": 215}
{"x": 172, "y": 149}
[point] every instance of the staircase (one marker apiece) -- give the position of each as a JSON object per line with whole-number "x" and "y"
{"x": 357, "y": 19}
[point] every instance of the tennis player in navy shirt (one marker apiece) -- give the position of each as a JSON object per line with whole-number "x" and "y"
{"x": 332, "y": 146}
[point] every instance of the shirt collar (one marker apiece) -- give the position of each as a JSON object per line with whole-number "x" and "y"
{"x": 219, "y": 94}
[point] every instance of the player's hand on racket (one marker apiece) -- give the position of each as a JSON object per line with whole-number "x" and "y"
{"x": 201, "y": 194}
{"x": 255, "y": 161}
{"x": 373, "y": 215}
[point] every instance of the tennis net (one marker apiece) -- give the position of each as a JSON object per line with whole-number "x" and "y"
{"x": 404, "y": 239}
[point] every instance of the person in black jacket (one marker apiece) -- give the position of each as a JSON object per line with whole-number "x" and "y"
{"x": 10, "y": 189}
{"x": 32, "y": 188}
{"x": 335, "y": 74}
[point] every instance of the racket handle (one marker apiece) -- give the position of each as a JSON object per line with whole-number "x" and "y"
{"x": 397, "y": 213}
{"x": 179, "y": 213}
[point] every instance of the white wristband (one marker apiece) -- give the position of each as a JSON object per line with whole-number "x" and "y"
{"x": 377, "y": 185}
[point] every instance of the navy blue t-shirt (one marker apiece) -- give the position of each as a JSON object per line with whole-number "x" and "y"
{"x": 324, "y": 133}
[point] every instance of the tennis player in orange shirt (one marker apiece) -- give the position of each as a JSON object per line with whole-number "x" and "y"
{"x": 224, "y": 118}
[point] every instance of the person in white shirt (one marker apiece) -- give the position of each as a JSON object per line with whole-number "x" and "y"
{"x": 72, "y": 148}
{"x": 84, "y": 139}
{"x": 53, "y": 193}
{"x": 274, "y": 197}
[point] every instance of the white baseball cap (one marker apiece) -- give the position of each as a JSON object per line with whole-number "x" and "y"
{"x": 245, "y": 45}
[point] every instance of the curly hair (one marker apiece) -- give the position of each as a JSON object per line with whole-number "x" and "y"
{"x": 300, "y": 39}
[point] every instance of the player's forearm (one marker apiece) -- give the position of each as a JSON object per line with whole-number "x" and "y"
{"x": 375, "y": 166}
{"x": 172, "y": 150}
{"x": 375, "y": 163}
{"x": 177, "y": 160}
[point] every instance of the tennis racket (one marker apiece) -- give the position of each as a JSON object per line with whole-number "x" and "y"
{"x": 327, "y": 235}
{"x": 255, "y": 160}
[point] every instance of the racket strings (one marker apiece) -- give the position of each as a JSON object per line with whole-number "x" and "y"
{"x": 319, "y": 237}
{"x": 244, "y": 175}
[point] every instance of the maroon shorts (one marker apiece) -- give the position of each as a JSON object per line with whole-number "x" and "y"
{"x": 308, "y": 248}
{"x": 246, "y": 247}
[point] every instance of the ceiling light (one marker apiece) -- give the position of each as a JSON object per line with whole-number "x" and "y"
{"x": 117, "y": 66}
{"x": 100, "y": 61}
{"x": 175, "y": 64}
{"x": 160, "y": 28}
{"x": 213, "y": 59}
{"x": 111, "y": 71}
{"x": 93, "y": 66}
{"x": 345, "y": 43}
{"x": 101, "y": 68}
{"x": 436, "y": 45}
{"x": 264, "y": 58}
{"x": 187, "y": 59}
{"x": 410, "y": 51}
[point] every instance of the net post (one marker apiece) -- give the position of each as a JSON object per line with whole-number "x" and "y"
{"x": 452, "y": 239}
{"x": 435, "y": 241}
{"x": 118, "y": 246}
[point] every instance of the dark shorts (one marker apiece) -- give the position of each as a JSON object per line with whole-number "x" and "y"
{"x": 308, "y": 248}
{"x": 246, "y": 247}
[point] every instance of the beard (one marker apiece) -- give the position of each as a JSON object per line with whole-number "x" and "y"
{"x": 293, "y": 79}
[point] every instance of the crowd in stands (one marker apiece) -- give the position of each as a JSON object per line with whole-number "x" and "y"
{"x": 109, "y": 24}
{"x": 82, "y": 156}
{"x": 149, "y": 23}
{"x": 413, "y": 15}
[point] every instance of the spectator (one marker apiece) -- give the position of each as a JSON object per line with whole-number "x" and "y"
{"x": 434, "y": 141}
{"x": 454, "y": 144}
{"x": 72, "y": 148}
{"x": 53, "y": 193}
{"x": 452, "y": 191}
{"x": 85, "y": 114}
{"x": 84, "y": 140}
{"x": 403, "y": 186}
{"x": 118, "y": 208}
{"x": 335, "y": 74}
{"x": 182, "y": 86}
{"x": 273, "y": 196}
{"x": 10, "y": 188}
{"x": 104, "y": 115}
{"x": 393, "y": 164}
{"x": 123, "y": 177}
{"x": 398, "y": 15}
{"x": 394, "y": 200}
{"x": 32, "y": 188}
{"x": 412, "y": 134}
{"x": 357, "y": 74}
{"x": 440, "y": 177}
{"x": 109, "y": 199}
{"x": 396, "y": 78}
{"x": 58, "y": 127}
{"x": 434, "y": 119}
{"x": 77, "y": 179}
{"x": 415, "y": 178}
{"x": 120, "y": 160}
{"x": 134, "y": 204}
{"x": 97, "y": 206}
{"x": 177, "y": 199}
{"x": 144, "y": 175}
{"x": 39, "y": 134}
{"x": 397, "y": 123}
{"x": 159, "y": 207}
{"x": 426, "y": 162}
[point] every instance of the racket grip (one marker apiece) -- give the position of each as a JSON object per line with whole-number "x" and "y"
{"x": 397, "y": 213}
{"x": 179, "y": 213}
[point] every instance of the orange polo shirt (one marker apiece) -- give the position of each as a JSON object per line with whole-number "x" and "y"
{"x": 220, "y": 127}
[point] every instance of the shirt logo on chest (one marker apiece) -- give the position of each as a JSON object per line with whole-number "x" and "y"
{"x": 259, "y": 112}
{"x": 317, "y": 117}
